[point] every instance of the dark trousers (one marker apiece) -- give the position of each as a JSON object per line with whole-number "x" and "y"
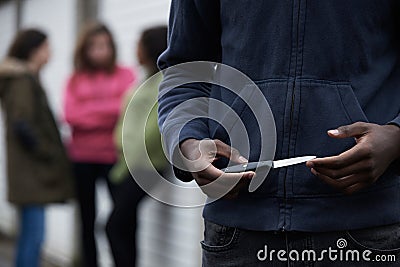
{"x": 86, "y": 175}
{"x": 122, "y": 224}
{"x": 227, "y": 246}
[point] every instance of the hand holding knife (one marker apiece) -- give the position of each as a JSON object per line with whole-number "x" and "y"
{"x": 251, "y": 166}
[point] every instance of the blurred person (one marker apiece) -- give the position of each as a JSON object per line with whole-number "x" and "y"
{"x": 122, "y": 224}
{"x": 92, "y": 106}
{"x": 38, "y": 169}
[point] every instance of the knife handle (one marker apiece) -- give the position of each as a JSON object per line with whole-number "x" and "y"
{"x": 241, "y": 167}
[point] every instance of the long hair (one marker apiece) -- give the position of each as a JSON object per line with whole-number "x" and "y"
{"x": 81, "y": 59}
{"x": 25, "y": 43}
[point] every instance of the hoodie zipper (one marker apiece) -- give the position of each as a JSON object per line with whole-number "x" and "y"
{"x": 290, "y": 133}
{"x": 296, "y": 47}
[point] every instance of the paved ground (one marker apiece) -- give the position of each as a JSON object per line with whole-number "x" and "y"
{"x": 168, "y": 236}
{"x": 7, "y": 253}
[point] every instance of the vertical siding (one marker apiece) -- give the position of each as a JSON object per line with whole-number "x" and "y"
{"x": 7, "y": 22}
{"x": 128, "y": 17}
{"x": 168, "y": 236}
{"x": 7, "y": 214}
{"x": 57, "y": 18}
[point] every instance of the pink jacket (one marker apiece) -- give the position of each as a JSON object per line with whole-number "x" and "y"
{"x": 91, "y": 108}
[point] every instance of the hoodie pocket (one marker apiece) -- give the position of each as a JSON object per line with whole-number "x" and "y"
{"x": 323, "y": 106}
{"x": 264, "y": 139}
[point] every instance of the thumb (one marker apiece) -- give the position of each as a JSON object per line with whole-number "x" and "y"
{"x": 353, "y": 130}
{"x": 229, "y": 152}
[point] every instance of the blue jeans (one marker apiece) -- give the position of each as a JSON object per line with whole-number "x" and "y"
{"x": 31, "y": 236}
{"x": 225, "y": 246}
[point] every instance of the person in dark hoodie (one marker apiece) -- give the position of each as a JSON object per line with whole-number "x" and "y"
{"x": 38, "y": 170}
{"x": 330, "y": 71}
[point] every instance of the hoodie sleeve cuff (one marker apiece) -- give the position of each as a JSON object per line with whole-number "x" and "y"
{"x": 396, "y": 163}
{"x": 195, "y": 129}
{"x": 396, "y": 121}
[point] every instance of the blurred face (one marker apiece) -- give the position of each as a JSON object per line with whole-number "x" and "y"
{"x": 100, "y": 50}
{"x": 41, "y": 55}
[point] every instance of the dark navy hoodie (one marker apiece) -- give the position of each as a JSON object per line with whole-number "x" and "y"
{"x": 320, "y": 64}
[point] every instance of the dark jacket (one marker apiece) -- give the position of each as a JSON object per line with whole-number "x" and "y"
{"x": 320, "y": 64}
{"x": 38, "y": 171}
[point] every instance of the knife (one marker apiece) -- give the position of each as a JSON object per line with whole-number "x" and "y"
{"x": 251, "y": 166}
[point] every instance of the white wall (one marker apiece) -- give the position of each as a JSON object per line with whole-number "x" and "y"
{"x": 57, "y": 19}
{"x": 127, "y": 18}
{"x": 7, "y": 214}
{"x": 168, "y": 236}
{"x": 7, "y": 19}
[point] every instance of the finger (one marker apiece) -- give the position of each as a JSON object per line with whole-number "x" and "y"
{"x": 228, "y": 178}
{"x": 353, "y": 130}
{"x": 226, "y": 184}
{"x": 345, "y": 159}
{"x": 347, "y": 185}
{"x": 339, "y": 184}
{"x": 360, "y": 178}
{"x": 355, "y": 188}
{"x": 349, "y": 181}
{"x": 358, "y": 167}
{"x": 229, "y": 152}
{"x": 234, "y": 193}
{"x": 211, "y": 173}
{"x": 324, "y": 178}
{"x": 231, "y": 195}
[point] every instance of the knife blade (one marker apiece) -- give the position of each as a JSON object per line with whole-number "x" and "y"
{"x": 251, "y": 166}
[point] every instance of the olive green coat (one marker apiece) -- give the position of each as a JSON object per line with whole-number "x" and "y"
{"x": 138, "y": 126}
{"x": 39, "y": 174}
